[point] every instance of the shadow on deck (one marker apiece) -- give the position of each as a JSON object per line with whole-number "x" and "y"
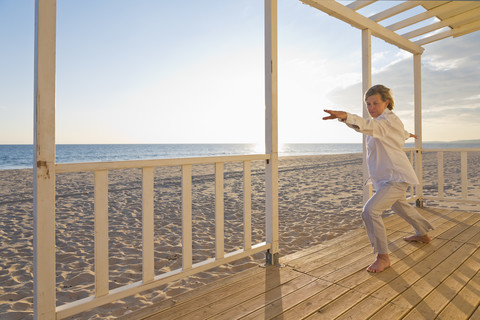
{"x": 329, "y": 281}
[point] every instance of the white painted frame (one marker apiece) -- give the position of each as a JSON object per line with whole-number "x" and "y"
{"x": 45, "y": 170}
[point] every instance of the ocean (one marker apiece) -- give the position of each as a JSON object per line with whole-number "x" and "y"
{"x": 21, "y": 156}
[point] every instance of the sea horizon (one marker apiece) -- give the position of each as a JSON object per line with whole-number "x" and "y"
{"x": 225, "y": 143}
{"x": 20, "y": 156}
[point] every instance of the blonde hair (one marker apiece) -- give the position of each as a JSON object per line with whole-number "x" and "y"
{"x": 384, "y": 92}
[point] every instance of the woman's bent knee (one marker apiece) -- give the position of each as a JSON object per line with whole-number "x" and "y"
{"x": 366, "y": 215}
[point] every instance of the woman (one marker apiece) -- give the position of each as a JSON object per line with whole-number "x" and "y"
{"x": 390, "y": 171}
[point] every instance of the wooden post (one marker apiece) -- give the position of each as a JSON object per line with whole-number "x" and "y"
{"x": 44, "y": 161}
{"x": 417, "y": 82}
{"x": 271, "y": 129}
{"x": 366, "y": 84}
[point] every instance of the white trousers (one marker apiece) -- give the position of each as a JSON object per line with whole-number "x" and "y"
{"x": 390, "y": 195}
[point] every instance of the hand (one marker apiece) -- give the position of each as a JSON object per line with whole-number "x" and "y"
{"x": 413, "y": 136}
{"x": 335, "y": 115}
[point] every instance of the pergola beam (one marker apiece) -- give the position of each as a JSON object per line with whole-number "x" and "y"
{"x": 443, "y": 9}
{"x": 399, "y": 8}
{"x": 469, "y": 16}
{"x": 359, "y": 4}
{"x": 457, "y": 32}
{"x": 359, "y": 21}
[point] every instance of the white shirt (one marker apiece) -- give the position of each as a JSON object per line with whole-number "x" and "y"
{"x": 386, "y": 159}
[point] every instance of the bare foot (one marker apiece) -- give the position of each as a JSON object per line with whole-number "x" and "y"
{"x": 423, "y": 239}
{"x": 382, "y": 263}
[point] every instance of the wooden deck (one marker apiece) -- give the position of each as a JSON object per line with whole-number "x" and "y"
{"x": 426, "y": 281}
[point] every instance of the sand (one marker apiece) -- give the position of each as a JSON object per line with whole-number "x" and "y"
{"x": 319, "y": 199}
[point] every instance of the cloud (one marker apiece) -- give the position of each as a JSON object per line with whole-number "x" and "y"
{"x": 383, "y": 60}
{"x": 450, "y": 84}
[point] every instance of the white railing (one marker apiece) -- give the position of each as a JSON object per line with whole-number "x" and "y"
{"x": 440, "y": 181}
{"x": 149, "y": 280}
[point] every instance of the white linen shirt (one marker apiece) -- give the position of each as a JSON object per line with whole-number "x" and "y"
{"x": 386, "y": 159}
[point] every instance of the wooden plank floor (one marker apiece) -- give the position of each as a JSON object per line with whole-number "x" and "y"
{"x": 426, "y": 281}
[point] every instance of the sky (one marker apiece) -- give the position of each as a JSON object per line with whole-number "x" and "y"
{"x": 158, "y": 71}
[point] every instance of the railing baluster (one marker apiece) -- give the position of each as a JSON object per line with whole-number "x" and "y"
{"x": 147, "y": 225}
{"x": 101, "y": 233}
{"x": 412, "y": 191}
{"x": 441, "y": 179}
{"x": 247, "y": 205}
{"x": 464, "y": 168}
{"x": 219, "y": 211}
{"x": 186, "y": 216}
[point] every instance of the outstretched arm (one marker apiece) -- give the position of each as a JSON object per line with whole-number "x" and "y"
{"x": 334, "y": 114}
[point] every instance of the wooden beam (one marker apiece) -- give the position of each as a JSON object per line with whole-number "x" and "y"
{"x": 435, "y": 37}
{"x": 44, "y": 161}
{"x": 464, "y": 18}
{"x": 455, "y": 22}
{"x": 457, "y": 32}
{"x": 399, "y": 8}
{"x": 466, "y": 29}
{"x": 427, "y": 14}
{"x": 357, "y": 20}
{"x": 359, "y": 4}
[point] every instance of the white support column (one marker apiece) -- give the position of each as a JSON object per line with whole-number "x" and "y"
{"x": 366, "y": 84}
{"x": 417, "y": 83}
{"x": 271, "y": 128}
{"x": 44, "y": 161}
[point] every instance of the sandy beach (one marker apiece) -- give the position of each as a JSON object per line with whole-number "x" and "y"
{"x": 320, "y": 198}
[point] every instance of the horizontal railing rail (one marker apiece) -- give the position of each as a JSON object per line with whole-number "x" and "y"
{"x": 149, "y": 280}
{"x": 131, "y": 164}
